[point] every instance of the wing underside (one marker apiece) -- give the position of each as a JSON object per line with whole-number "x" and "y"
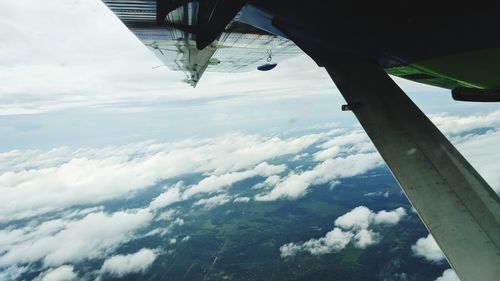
{"x": 171, "y": 38}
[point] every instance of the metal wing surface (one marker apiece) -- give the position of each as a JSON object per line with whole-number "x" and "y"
{"x": 170, "y": 36}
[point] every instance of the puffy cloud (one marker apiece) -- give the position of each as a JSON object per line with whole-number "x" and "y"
{"x": 269, "y": 182}
{"x": 62, "y": 273}
{"x": 290, "y": 250}
{"x": 172, "y": 195}
{"x": 361, "y": 217}
{"x": 448, "y": 275}
{"x": 121, "y": 265}
{"x": 427, "y": 248}
{"x": 390, "y": 218}
{"x": 61, "y": 241}
{"x": 333, "y": 241}
{"x": 358, "y": 218}
{"x": 213, "y": 202}
{"x": 352, "y": 226}
{"x": 295, "y": 185}
{"x": 365, "y": 238}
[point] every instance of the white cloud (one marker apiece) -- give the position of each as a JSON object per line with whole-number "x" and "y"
{"x": 290, "y": 250}
{"x": 172, "y": 195}
{"x": 351, "y": 227}
{"x": 63, "y": 178}
{"x": 60, "y": 241}
{"x": 481, "y": 151}
{"x": 358, "y": 218}
{"x": 216, "y": 183}
{"x": 349, "y": 143}
{"x": 389, "y": 218}
{"x": 269, "y": 182}
{"x": 427, "y": 248}
{"x": 121, "y": 265}
{"x": 295, "y": 185}
{"x": 179, "y": 221}
{"x": 241, "y": 199}
{"x": 365, "y": 238}
{"x": 361, "y": 217}
{"x": 332, "y": 242}
{"x": 62, "y": 273}
{"x": 459, "y": 124}
{"x": 213, "y": 202}
{"x": 13, "y": 272}
{"x": 448, "y": 275}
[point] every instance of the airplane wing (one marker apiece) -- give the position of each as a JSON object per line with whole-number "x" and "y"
{"x": 239, "y": 48}
{"x": 452, "y": 45}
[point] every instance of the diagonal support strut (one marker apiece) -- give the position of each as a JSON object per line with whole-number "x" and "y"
{"x": 455, "y": 203}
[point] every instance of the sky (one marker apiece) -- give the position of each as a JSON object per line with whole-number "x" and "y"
{"x": 83, "y": 101}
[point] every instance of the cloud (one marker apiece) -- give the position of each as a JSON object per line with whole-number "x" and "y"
{"x": 361, "y": 218}
{"x": 62, "y": 273}
{"x": 452, "y": 124}
{"x": 448, "y": 275}
{"x": 213, "y": 202}
{"x": 290, "y": 250}
{"x": 480, "y": 148}
{"x": 358, "y": 218}
{"x": 67, "y": 71}
{"x": 269, "y": 182}
{"x": 172, "y": 195}
{"x": 61, "y": 241}
{"x": 350, "y": 227}
{"x": 241, "y": 199}
{"x": 216, "y": 183}
{"x": 481, "y": 151}
{"x": 13, "y": 272}
{"x": 121, "y": 265}
{"x": 427, "y": 248}
{"x": 296, "y": 185}
{"x": 347, "y": 143}
{"x": 365, "y": 238}
{"x": 63, "y": 178}
{"x": 389, "y": 218}
{"x": 333, "y": 241}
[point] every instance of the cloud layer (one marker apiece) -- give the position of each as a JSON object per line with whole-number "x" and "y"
{"x": 52, "y": 198}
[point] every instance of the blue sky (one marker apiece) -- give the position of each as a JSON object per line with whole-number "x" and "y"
{"x": 81, "y": 98}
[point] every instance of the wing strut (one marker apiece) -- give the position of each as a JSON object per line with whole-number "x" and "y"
{"x": 455, "y": 203}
